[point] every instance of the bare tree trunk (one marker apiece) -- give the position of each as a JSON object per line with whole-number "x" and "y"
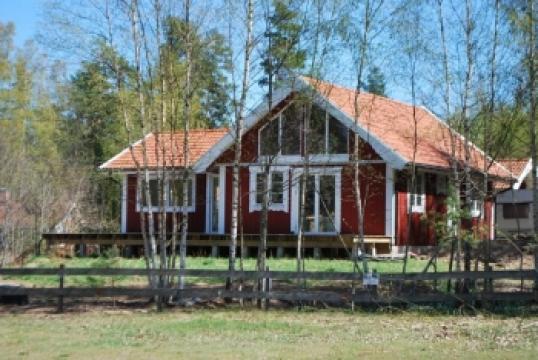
{"x": 468, "y": 29}
{"x": 239, "y": 120}
{"x": 532, "y": 111}
{"x": 134, "y": 18}
{"x": 363, "y": 49}
{"x": 186, "y": 172}
{"x": 487, "y": 129}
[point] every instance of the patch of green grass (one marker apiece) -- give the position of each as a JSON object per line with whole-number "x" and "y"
{"x": 252, "y": 334}
{"x": 281, "y": 264}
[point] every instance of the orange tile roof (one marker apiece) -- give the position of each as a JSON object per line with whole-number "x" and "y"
{"x": 392, "y": 122}
{"x": 516, "y": 166}
{"x": 166, "y": 149}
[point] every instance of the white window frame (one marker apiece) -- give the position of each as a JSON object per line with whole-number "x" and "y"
{"x": 337, "y": 172}
{"x": 166, "y": 187}
{"x": 422, "y": 193}
{"x": 477, "y": 208}
{"x": 253, "y": 205}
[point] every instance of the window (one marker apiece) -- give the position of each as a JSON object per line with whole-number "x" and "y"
{"x": 283, "y": 134}
{"x": 316, "y": 131}
{"x": 278, "y": 193}
{"x": 172, "y": 195}
{"x": 153, "y": 193}
{"x": 417, "y": 197}
{"x": 175, "y": 192}
{"x": 336, "y": 137}
{"x": 442, "y": 184}
{"x": 326, "y": 134}
{"x": 476, "y": 208}
{"x": 291, "y": 121}
{"x": 280, "y": 135}
{"x": 269, "y": 138}
{"x": 516, "y": 211}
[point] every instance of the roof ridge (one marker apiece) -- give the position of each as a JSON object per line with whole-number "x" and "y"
{"x": 348, "y": 88}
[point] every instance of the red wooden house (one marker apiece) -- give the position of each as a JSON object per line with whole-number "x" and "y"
{"x": 276, "y": 137}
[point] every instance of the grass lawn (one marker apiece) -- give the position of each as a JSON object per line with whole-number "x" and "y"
{"x": 275, "y": 334}
{"x": 192, "y": 263}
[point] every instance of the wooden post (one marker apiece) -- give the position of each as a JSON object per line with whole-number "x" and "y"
{"x": 536, "y": 267}
{"x": 61, "y": 273}
{"x": 488, "y": 282}
{"x": 267, "y": 288}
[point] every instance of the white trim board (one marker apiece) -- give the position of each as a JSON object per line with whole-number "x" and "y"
{"x": 124, "y": 190}
{"x": 523, "y": 175}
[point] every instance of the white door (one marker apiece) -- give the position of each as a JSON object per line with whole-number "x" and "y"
{"x": 322, "y": 200}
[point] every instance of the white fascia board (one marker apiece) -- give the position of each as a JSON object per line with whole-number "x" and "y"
{"x": 228, "y": 140}
{"x": 523, "y": 175}
{"x": 127, "y": 149}
{"x": 463, "y": 139}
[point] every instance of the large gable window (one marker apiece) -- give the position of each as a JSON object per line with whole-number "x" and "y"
{"x": 172, "y": 190}
{"x": 281, "y": 135}
{"x": 326, "y": 134}
{"x": 278, "y": 190}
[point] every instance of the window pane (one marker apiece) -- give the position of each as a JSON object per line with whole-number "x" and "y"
{"x": 291, "y": 130}
{"x": 309, "y": 205}
{"x": 516, "y": 211}
{"x": 277, "y": 187}
{"x": 153, "y": 193}
{"x": 337, "y": 137}
{"x": 316, "y": 133}
{"x": 269, "y": 138}
{"x": 175, "y": 192}
{"x": 259, "y": 188}
{"x": 327, "y": 204}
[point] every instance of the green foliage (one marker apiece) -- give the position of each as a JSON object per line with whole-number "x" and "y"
{"x": 210, "y": 62}
{"x": 283, "y": 35}
{"x": 376, "y": 81}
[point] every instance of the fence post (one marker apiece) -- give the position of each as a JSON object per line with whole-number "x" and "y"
{"x": 267, "y": 288}
{"x": 488, "y": 282}
{"x": 61, "y": 287}
{"x": 535, "y": 267}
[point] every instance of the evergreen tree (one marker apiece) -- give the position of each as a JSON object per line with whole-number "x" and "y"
{"x": 283, "y": 39}
{"x": 376, "y": 82}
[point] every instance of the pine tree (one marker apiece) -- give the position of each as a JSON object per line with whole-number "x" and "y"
{"x": 376, "y": 82}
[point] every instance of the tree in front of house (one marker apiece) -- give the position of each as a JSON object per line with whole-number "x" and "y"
{"x": 376, "y": 82}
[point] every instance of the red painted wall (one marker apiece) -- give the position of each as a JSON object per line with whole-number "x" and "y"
{"x": 422, "y": 232}
{"x": 373, "y": 192}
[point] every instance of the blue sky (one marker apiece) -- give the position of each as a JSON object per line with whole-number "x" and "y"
{"x": 25, "y": 15}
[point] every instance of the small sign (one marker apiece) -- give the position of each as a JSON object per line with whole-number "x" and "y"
{"x": 370, "y": 279}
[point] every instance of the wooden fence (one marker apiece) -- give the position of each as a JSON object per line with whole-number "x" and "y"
{"x": 340, "y": 293}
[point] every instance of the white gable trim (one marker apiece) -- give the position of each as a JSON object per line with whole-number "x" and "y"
{"x": 127, "y": 149}
{"x": 462, "y": 138}
{"x": 523, "y": 175}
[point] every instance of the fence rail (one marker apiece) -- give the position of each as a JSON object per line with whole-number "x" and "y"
{"x": 276, "y": 275}
{"x": 341, "y": 294}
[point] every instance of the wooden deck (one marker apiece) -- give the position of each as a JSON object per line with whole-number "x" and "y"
{"x": 286, "y": 241}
